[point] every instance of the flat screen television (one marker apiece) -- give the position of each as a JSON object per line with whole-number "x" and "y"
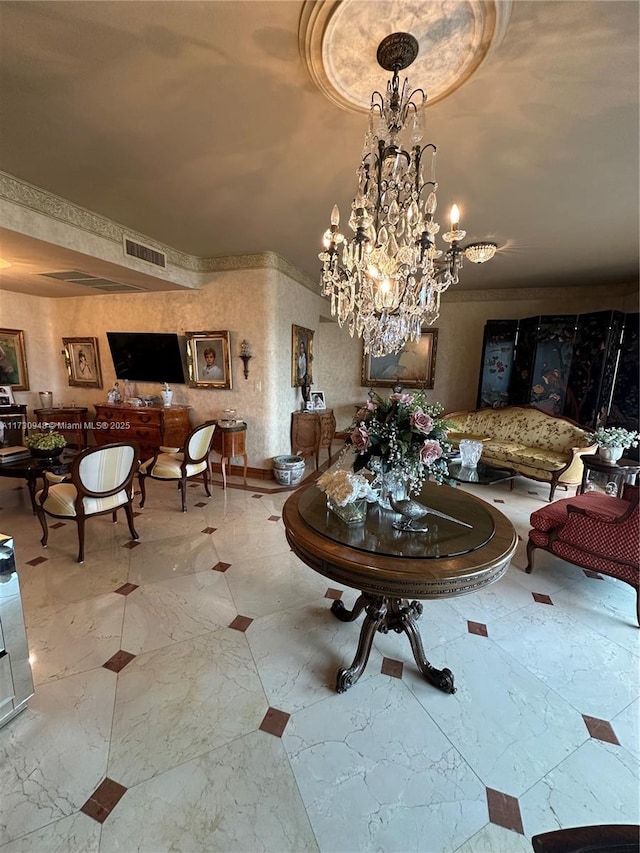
{"x": 146, "y": 356}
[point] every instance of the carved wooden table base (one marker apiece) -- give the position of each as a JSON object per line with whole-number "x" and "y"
{"x": 386, "y": 614}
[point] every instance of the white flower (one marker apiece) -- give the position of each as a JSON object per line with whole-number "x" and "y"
{"x": 344, "y": 487}
{"x": 615, "y": 437}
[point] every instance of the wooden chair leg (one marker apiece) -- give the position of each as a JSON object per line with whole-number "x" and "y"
{"x": 530, "y": 549}
{"x": 206, "y": 482}
{"x": 129, "y": 513}
{"x": 143, "y": 493}
{"x": 182, "y": 484}
{"x": 42, "y": 518}
{"x": 80, "y": 523}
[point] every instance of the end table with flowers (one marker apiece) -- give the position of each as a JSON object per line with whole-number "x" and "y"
{"x": 402, "y": 440}
{"x": 613, "y": 441}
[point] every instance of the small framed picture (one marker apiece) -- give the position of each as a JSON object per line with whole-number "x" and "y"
{"x": 301, "y": 355}
{"x": 13, "y": 361}
{"x": 6, "y": 395}
{"x": 414, "y": 366}
{"x": 209, "y": 359}
{"x": 83, "y": 362}
{"x": 317, "y": 399}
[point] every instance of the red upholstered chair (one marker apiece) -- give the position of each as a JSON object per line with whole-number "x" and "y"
{"x": 592, "y": 530}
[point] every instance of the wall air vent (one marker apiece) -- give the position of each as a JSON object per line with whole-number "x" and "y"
{"x": 144, "y": 253}
{"x": 85, "y": 279}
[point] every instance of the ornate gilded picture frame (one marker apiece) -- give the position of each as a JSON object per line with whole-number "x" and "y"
{"x": 209, "y": 359}
{"x": 301, "y": 355}
{"x": 414, "y": 366}
{"x": 13, "y": 360}
{"x": 82, "y": 360}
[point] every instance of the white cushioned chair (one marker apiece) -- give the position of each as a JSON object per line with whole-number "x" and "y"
{"x": 181, "y": 465}
{"x": 101, "y": 481}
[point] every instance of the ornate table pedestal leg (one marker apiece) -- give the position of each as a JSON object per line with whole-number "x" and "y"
{"x": 387, "y": 614}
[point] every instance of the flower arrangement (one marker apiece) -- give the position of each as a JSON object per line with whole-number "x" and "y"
{"x": 52, "y": 440}
{"x": 344, "y": 487}
{"x": 615, "y": 437}
{"x": 404, "y": 434}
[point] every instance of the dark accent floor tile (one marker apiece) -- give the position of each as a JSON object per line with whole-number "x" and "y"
{"x": 126, "y": 588}
{"x": 477, "y": 628}
{"x": 591, "y": 574}
{"x": 200, "y": 503}
{"x": 209, "y": 530}
{"x": 58, "y": 525}
{"x": 541, "y": 598}
{"x": 241, "y": 623}
{"x": 117, "y": 662}
{"x": 391, "y": 667}
{"x": 600, "y": 730}
{"x": 274, "y": 722}
{"x": 498, "y": 501}
{"x": 256, "y": 496}
{"x": 136, "y": 514}
{"x": 274, "y": 518}
{"x": 37, "y": 560}
{"x": 103, "y": 800}
{"x": 333, "y": 593}
{"x": 532, "y": 493}
{"x": 221, "y": 567}
{"x": 132, "y": 544}
{"x": 504, "y": 810}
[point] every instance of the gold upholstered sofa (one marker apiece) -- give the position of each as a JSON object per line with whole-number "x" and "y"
{"x": 527, "y": 440}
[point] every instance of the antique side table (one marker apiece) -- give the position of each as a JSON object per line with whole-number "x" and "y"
{"x": 390, "y": 567}
{"x": 610, "y": 478}
{"x": 71, "y": 421}
{"x": 229, "y": 442}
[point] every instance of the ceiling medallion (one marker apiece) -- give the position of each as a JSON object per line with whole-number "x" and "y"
{"x": 337, "y": 39}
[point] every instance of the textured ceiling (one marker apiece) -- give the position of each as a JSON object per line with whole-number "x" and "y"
{"x": 198, "y": 124}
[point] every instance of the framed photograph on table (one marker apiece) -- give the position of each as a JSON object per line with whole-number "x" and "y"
{"x": 209, "y": 359}
{"x": 6, "y": 395}
{"x": 13, "y": 361}
{"x": 301, "y": 355}
{"x": 317, "y": 398}
{"x": 83, "y": 362}
{"x": 414, "y": 366}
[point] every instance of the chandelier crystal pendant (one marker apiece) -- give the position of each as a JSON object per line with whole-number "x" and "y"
{"x": 385, "y": 282}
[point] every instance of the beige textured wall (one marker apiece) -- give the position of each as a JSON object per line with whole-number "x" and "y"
{"x": 261, "y": 305}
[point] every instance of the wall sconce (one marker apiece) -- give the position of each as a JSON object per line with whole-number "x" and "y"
{"x": 246, "y": 355}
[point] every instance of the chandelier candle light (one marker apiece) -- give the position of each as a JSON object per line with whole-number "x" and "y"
{"x": 386, "y": 281}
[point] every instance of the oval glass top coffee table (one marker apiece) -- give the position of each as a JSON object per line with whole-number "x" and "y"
{"x": 392, "y": 567}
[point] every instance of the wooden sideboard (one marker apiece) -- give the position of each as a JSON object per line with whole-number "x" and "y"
{"x": 71, "y": 421}
{"x": 149, "y": 426}
{"x": 312, "y": 431}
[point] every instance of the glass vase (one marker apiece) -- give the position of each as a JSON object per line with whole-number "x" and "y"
{"x": 391, "y": 484}
{"x": 351, "y": 513}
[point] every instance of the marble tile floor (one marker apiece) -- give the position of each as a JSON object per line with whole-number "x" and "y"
{"x": 185, "y": 695}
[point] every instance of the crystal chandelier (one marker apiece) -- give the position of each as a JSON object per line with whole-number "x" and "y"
{"x": 386, "y": 281}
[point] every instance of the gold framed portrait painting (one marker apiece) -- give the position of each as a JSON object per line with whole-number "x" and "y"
{"x": 414, "y": 366}
{"x": 13, "y": 360}
{"x": 83, "y": 362}
{"x": 301, "y": 355}
{"x": 209, "y": 359}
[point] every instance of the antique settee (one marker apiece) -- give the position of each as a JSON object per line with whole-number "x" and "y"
{"x": 527, "y": 440}
{"x": 595, "y": 531}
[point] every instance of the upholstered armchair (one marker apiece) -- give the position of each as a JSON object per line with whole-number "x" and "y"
{"x": 181, "y": 465}
{"x": 101, "y": 481}
{"x": 594, "y": 531}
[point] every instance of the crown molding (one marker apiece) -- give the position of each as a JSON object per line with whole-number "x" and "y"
{"x": 34, "y": 198}
{"x": 513, "y": 294}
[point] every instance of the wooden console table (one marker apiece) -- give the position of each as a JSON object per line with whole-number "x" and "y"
{"x": 312, "y": 431}
{"x": 229, "y": 442}
{"x": 149, "y": 426}
{"x": 70, "y": 421}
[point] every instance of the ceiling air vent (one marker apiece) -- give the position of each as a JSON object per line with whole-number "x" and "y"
{"x": 144, "y": 253}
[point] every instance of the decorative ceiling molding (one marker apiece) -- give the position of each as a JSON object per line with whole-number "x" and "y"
{"x": 27, "y": 195}
{"x": 338, "y": 40}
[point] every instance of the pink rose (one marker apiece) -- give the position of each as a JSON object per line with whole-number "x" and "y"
{"x": 430, "y": 451}
{"x": 360, "y": 438}
{"x": 361, "y": 413}
{"x": 421, "y": 421}
{"x": 405, "y": 399}
{"x": 371, "y": 406}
